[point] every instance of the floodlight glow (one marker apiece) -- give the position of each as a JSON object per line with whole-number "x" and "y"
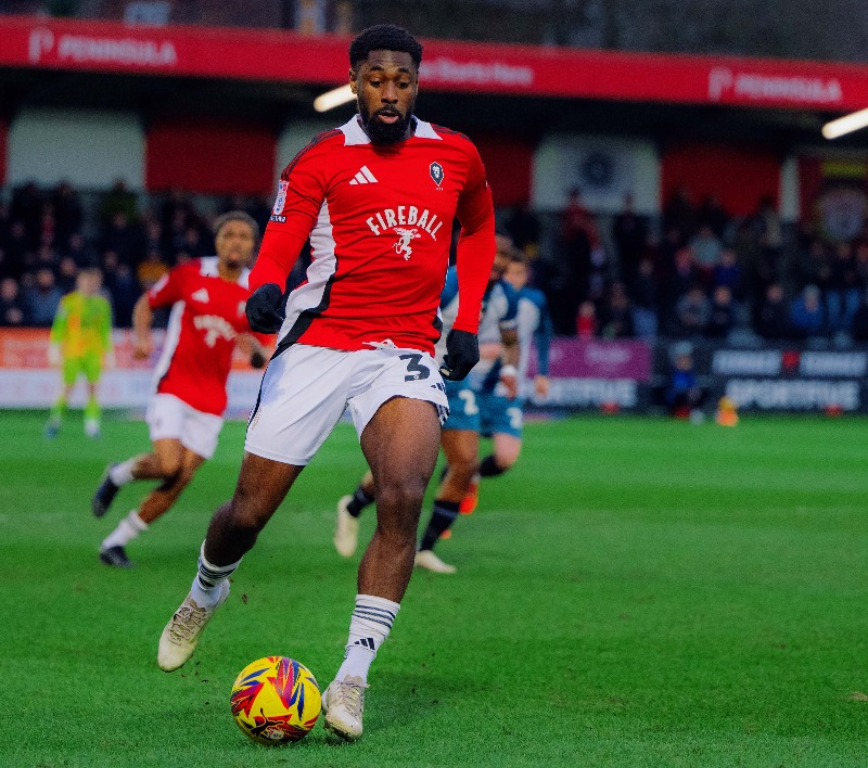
{"x": 331, "y": 99}
{"x": 846, "y": 124}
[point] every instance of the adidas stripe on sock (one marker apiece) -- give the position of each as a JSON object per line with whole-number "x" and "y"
{"x": 369, "y": 627}
{"x": 209, "y": 577}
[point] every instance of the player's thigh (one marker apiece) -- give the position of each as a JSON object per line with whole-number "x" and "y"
{"x": 460, "y": 447}
{"x": 72, "y": 366}
{"x": 400, "y": 443}
{"x": 92, "y": 366}
{"x": 507, "y": 448}
{"x": 169, "y": 452}
{"x": 303, "y": 394}
{"x": 190, "y": 462}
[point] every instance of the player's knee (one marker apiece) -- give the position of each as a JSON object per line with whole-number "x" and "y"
{"x": 184, "y": 476}
{"x": 170, "y": 468}
{"x": 401, "y": 497}
{"x": 505, "y": 460}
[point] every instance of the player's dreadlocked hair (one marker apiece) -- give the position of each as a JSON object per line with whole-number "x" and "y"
{"x": 222, "y": 221}
{"x": 384, "y": 37}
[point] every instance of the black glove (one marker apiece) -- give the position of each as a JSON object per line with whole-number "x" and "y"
{"x": 257, "y": 360}
{"x": 462, "y": 353}
{"x": 263, "y": 309}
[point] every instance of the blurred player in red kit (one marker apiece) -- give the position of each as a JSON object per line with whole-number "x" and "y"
{"x": 185, "y": 415}
{"x": 377, "y": 198}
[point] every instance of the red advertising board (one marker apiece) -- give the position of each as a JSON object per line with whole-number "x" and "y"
{"x": 448, "y": 66}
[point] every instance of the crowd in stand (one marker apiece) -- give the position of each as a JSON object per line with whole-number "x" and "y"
{"x": 47, "y": 235}
{"x": 697, "y": 273}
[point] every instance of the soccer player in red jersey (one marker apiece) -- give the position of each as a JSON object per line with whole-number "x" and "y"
{"x": 208, "y": 298}
{"x": 377, "y": 198}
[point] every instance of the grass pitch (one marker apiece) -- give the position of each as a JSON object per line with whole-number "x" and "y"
{"x": 636, "y": 593}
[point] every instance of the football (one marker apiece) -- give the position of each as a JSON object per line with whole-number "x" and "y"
{"x": 275, "y": 700}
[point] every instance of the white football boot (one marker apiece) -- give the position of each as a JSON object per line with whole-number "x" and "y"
{"x": 426, "y": 558}
{"x": 343, "y": 704}
{"x": 346, "y": 529}
{"x": 181, "y": 634}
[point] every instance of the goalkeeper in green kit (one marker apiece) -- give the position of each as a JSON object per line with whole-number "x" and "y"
{"x": 81, "y": 343}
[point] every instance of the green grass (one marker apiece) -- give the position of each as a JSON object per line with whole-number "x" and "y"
{"x": 636, "y": 593}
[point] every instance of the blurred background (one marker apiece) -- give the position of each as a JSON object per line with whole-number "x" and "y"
{"x": 661, "y": 164}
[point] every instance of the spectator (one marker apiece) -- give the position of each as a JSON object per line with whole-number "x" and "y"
{"x": 42, "y": 298}
{"x": 842, "y": 292}
{"x": 706, "y": 252}
{"x": 712, "y": 214}
{"x": 150, "y": 270}
{"x": 27, "y": 204}
{"x": 683, "y": 277}
{"x": 11, "y": 305}
{"x": 806, "y": 313}
{"x": 629, "y": 234}
{"x": 123, "y": 289}
{"x": 692, "y": 312}
{"x": 645, "y": 301}
{"x": 586, "y": 322}
{"x": 722, "y": 317}
{"x": 67, "y": 274}
{"x": 859, "y": 329}
{"x": 773, "y": 316}
{"x": 68, "y": 213}
{"x": 153, "y": 237}
{"x": 684, "y": 397}
{"x": 729, "y": 273}
{"x": 575, "y": 224}
{"x": 118, "y": 200}
{"x": 679, "y": 214}
{"x": 80, "y": 252}
{"x": 18, "y": 252}
{"x": 617, "y": 317}
{"x": 121, "y": 237}
{"x": 193, "y": 243}
{"x": 523, "y": 228}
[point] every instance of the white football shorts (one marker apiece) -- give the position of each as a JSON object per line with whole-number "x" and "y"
{"x": 306, "y": 389}
{"x": 170, "y": 418}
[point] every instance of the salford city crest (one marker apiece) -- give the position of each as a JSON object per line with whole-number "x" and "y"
{"x": 437, "y": 173}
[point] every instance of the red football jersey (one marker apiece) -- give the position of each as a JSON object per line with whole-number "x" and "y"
{"x": 379, "y": 219}
{"x": 207, "y": 316}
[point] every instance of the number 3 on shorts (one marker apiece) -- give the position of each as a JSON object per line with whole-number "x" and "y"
{"x": 416, "y": 372}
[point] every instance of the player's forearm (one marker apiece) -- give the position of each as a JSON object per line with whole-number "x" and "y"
{"x": 511, "y": 349}
{"x": 143, "y": 318}
{"x": 475, "y": 258}
{"x": 277, "y": 255}
{"x": 543, "y": 340}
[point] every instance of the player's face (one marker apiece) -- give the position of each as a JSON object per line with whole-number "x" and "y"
{"x": 89, "y": 283}
{"x": 235, "y": 243}
{"x": 386, "y": 84}
{"x": 516, "y": 275}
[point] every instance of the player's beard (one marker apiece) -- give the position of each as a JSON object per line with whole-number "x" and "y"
{"x": 385, "y": 133}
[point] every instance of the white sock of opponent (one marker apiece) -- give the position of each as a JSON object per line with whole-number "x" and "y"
{"x": 121, "y": 474}
{"x": 370, "y": 626}
{"x": 206, "y": 586}
{"x": 128, "y": 529}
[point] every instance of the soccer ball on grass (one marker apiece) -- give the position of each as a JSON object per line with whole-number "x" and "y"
{"x": 275, "y": 700}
